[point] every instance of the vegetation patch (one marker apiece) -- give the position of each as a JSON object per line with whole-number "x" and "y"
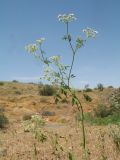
{"x": 3, "y": 121}
{"x": 1, "y": 83}
{"x": 47, "y": 90}
{"x": 100, "y": 87}
{"x": 111, "y": 119}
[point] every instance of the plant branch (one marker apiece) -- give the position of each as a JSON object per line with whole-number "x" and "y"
{"x": 73, "y": 57}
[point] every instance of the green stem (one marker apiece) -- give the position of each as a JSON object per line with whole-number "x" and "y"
{"x": 80, "y": 107}
{"x": 83, "y": 125}
{"x": 73, "y": 58}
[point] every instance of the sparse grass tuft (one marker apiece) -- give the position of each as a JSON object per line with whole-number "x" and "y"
{"x": 47, "y": 90}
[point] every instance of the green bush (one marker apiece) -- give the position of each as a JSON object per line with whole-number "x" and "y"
{"x": 3, "y": 120}
{"x": 47, "y": 90}
{"x": 88, "y": 90}
{"x": 87, "y": 98}
{"x": 115, "y": 101}
{"x": 100, "y": 87}
{"x": 1, "y": 83}
{"x": 102, "y": 111}
{"x": 15, "y": 81}
{"x": 110, "y": 87}
{"x": 111, "y": 119}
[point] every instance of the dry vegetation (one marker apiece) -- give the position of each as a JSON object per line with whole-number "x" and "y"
{"x": 19, "y": 101}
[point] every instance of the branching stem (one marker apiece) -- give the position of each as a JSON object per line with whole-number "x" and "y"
{"x": 79, "y": 106}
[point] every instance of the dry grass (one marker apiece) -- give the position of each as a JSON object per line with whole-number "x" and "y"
{"x": 20, "y": 144}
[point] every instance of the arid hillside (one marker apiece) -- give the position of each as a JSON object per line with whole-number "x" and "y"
{"x": 19, "y": 101}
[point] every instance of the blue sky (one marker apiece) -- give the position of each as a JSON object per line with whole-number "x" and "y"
{"x": 24, "y": 21}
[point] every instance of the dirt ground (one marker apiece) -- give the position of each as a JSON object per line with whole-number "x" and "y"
{"x": 19, "y": 99}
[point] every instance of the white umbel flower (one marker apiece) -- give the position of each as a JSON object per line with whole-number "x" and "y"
{"x": 31, "y": 48}
{"x": 90, "y": 33}
{"x": 55, "y": 58}
{"x": 40, "y": 41}
{"x": 66, "y": 18}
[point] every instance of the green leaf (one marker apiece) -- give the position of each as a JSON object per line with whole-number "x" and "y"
{"x": 75, "y": 100}
{"x": 64, "y": 89}
{"x": 79, "y": 42}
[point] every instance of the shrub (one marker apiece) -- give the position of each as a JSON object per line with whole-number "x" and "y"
{"x": 15, "y": 81}
{"x": 100, "y": 87}
{"x": 111, "y": 119}
{"x": 87, "y": 98}
{"x": 1, "y": 83}
{"x": 3, "y": 120}
{"x": 115, "y": 101}
{"x": 46, "y": 90}
{"x": 88, "y": 90}
{"x": 102, "y": 111}
{"x": 110, "y": 87}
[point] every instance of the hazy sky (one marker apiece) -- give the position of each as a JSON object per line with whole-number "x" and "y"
{"x": 24, "y": 21}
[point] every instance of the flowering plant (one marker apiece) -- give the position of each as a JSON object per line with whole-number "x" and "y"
{"x": 58, "y": 73}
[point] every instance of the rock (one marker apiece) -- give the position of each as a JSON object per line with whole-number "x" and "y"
{"x": 48, "y": 113}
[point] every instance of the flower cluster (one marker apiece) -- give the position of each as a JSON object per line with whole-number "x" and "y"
{"x": 35, "y": 123}
{"x": 55, "y": 58}
{"x": 90, "y": 33}
{"x": 31, "y": 48}
{"x": 40, "y": 41}
{"x": 66, "y": 18}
